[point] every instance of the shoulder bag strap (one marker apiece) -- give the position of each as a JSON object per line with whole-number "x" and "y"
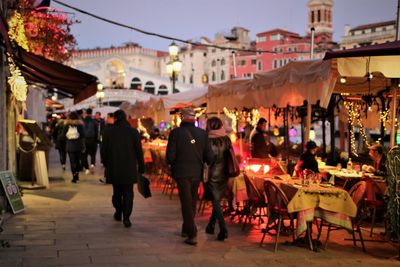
{"x": 193, "y": 142}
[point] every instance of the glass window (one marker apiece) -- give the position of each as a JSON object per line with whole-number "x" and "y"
{"x": 213, "y": 63}
{"x": 222, "y": 75}
{"x": 191, "y": 79}
{"x": 259, "y": 65}
{"x": 275, "y": 63}
{"x": 253, "y": 61}
{"x": 136, "y": 84}
{"x": 213, "y": 76}
{"x": 222, "y": 61}
{"x": 149, "y": 87}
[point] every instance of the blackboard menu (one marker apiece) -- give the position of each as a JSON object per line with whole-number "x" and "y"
{"x": 11, "y": 190}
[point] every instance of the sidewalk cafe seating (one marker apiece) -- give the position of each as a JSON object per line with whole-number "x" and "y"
{"x": 277, "y": 210}
{"x": 357, "y": 193}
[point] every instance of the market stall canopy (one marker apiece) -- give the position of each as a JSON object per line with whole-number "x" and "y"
{"x": 73, "y": 82}
{"x": 358, "y": 62}
{"x": 230, "y": 94}
{"x": 290, "y": 85}
{"x": 294, "y": 83}
{"x": 197, "y": 97}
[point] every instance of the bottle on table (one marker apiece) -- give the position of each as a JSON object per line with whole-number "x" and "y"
{"x": 349, "y": 165}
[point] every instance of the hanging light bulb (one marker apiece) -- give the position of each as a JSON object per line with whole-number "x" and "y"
{"x": 343, "y": 80}
{"x": 276, "y": 131}
{"x": 313, "y": 134}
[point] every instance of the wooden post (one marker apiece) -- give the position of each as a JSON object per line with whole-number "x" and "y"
{"x": 393, "y": 112}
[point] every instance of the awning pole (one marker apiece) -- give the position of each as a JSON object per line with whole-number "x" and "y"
{"x": 309, "y": 109}
{"x": 393, "y": 112}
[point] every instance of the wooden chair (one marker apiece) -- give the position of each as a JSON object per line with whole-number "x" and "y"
{"x": 255, "y": 204}
{"x": 357, "y": 193}
{"x": 371, "y": 202}
{"x": 277, "y": 210}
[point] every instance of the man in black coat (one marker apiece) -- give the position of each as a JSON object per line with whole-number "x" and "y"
{"x": 123, "y": 159}
{"x": 261, "y": 147}
{"x": 187, "y": 149}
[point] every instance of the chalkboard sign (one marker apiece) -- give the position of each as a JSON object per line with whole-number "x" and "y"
{"x": 11, "y": 191}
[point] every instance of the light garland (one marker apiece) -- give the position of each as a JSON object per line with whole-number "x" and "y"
{"x": 18, "y": 85}
{"x": 233, "y": 117}
{"x": 354, "y": 119}
{"x": 16, "y": 30}
{"x": 143, "y": 129}
{"x": 255, "y": 116}
{"x": 384, "y": 118}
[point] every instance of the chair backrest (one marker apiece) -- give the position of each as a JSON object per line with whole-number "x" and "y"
{"x": 252, "y": 190}
{"x": 275, "y": 196}
{"x": 357, "y": 193}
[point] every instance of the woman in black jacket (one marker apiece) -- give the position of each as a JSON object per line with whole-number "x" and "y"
{"x": 73, "y": 132}
{"x": 217, "y": 179}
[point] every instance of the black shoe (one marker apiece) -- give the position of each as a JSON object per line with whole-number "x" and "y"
{"x": 210, "y": 229}
{"x": 183, "y": 234}
{"x": 191, "y": 241}
{"x": 117, "y": 216}
{"x": 127, "y": 223}
{"x": 222, "y": 235}
{"x": 74, "y": 181}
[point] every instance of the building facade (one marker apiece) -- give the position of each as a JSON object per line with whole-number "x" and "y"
{"x": 126, "y": 67}
{"x": 368, "y": 34}
{"x": 278, "y": 47}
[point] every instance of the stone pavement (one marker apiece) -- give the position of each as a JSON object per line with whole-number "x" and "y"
{"x": 72, "y": 224}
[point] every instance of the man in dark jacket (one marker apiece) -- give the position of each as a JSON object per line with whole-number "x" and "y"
{"x": 91, "y": 132}
{"x": 123, "y": 158}
{"x": 187, "y": 149}
{"x": 261, "y": 147}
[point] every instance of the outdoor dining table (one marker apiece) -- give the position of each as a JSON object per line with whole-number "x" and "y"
{"x": 332, "y": 204}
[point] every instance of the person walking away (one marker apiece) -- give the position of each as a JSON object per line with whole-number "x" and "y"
{"x": 216, "y": 185}
{"x": 100, "y": 128}
{"x": 91, "y": 133}
{"x": 123, "y": 159}
{"x": 261, "y": 147}
{"x": 74, "y": 136}
{"x": 108, "y": 123}
{"x": 60, "y": 141}
{"x": 187, "y": 149}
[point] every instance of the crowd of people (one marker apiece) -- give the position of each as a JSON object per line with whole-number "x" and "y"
{"x": 189, "y": 148}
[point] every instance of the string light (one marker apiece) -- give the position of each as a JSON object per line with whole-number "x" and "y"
{"x": 383, "y": 118}
{"x": 233, "y": 117}
{"x": 354, "y": 119}
{"x": 18, "y": 85}
{"x": 16, "y": 30}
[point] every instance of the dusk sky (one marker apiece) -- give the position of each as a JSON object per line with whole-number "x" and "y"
{"x": 188, "y": 19}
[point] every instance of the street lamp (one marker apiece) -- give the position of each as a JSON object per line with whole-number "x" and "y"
{"x": 174, "y": 66}
{"x": 100, "y": 94}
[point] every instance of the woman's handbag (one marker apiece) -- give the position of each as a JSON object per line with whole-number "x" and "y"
{"x": 232, "y": 163}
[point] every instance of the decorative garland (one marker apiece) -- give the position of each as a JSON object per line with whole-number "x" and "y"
{"x": 393, "y": 186}
{"x": 16, "y": 30}
{"x": 354, "y": 119}
{"x": 233, "y": 116}
{"x": 384, "y": 118}
{"x": 18, "y": 85}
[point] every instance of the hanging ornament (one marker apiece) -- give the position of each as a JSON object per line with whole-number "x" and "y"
{"x": 18, "y": 85}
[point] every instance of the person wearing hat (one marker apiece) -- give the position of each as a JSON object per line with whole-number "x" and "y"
{"x": 261, "y": 147}
{"x": 379, "y": 160}
{"x": 188, "y": 148}
{"x": 307, "y": 160}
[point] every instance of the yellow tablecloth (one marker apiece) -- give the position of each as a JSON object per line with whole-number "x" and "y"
{"x": 315, "y": 196}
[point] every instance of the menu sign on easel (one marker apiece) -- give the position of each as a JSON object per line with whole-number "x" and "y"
{"x": 11, "y": 190}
